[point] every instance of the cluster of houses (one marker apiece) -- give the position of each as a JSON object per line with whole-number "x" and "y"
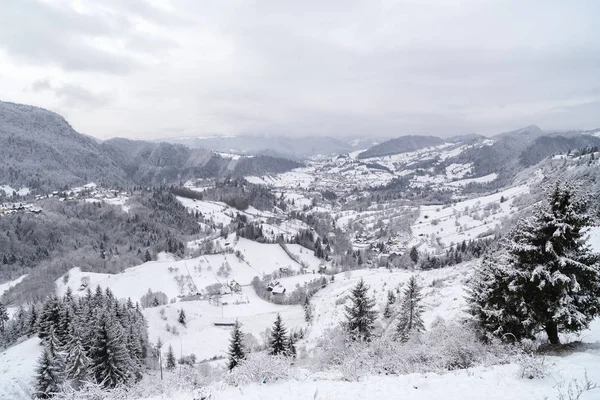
{"x": 15, "y": 208}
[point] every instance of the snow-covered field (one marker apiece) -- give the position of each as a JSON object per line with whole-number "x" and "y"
{"x": 8, "y": 191}
{"x": 7, "y": 285}
{"x": 441, "y": 226}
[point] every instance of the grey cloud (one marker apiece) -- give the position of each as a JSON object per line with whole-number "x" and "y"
{"x": 73, "y": 96}
{"x": 336, "y": 67}
{"x": 41, "y": 85}
{"x": 41, "y": 32}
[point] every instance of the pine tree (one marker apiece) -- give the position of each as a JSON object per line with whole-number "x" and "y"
{"x": 414, "y": 254}
{"x": 391, "y": 299}
{"x": 77, "y": 363}
{"x": 360, "y": 315}
{"x": 3, "y": 316}
{"x": 171, "y": 363}
{"x": 307, "y": 310}
{"x": 410, "y": 314}
{"x": 147, "y": 256}
{"x": 182, "y": 317}
{"x": 32, "y": 323}
{"x": 49, "y": 376}
{"x": 496, "y": 313}
{"x": 291, "y": 347}
{"x": 51, "y": 367}
{"x": 111, "y": 363}
{"x": 551, "y": 278}
{"x": 50, "y": 317}
{"x": 237, "y": 352}
{"x": 278, "y": 341}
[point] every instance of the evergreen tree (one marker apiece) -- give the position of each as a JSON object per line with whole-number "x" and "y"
{"x": 410, "y": 314}
{"x": 50, "y": 317}
{"x": 391, "y": 299}
{"x": 3, "y": 316}
{"x": 171, "y": 363}
{"x": 32, "y": 323}
{"x": 414, "y": 254}
{"x": 496, "y": 313}
{"x": 307, "y": 309}
{"x": 291, "y": 347}
{"x": 111, "y": 364}
{"x": 550, "y": 280}
{"x": 51, "y": 367}
{"x": 360, "y": 315}
{"x": 182, "y": 317}
{"x": 278, "y": 341}
{"x": 147, "y": 256}
{"x": 77, "y": 362}
{"x": 237, "y": 352}
{"x": 49, "y": 376}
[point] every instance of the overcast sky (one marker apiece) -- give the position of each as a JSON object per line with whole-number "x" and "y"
{"x": 150, "y": 69}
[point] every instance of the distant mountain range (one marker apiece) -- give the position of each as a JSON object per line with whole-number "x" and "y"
{"x": 39, "y": 149}
{"x": 294, "y": 148}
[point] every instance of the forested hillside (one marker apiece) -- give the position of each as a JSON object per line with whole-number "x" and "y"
{"x": 41, "y": 151}
{"x": 93, "y": 236}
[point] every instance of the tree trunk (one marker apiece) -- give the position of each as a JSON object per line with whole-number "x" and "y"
{"x": 552, "y": 332}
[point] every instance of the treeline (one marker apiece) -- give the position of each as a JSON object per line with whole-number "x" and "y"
{"x": 93, "y": 236}
{"x": 235, "y": 192}
{"x": 462, "y": 252}
{"x": 95, "y": 338}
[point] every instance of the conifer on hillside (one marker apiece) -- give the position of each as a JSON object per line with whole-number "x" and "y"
{"x": 548, "y": 279}
{"x": 410, "y": 321}
{"x": 237, "y": 351}
{"x": 361, "y": 316}
{"x": 279, "y": 341}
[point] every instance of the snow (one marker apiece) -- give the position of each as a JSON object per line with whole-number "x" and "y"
{"x": 464, "y": 220}
{"x": 201, "y": 337}
{"x": 17, "y": 369}
{"x": 444, "y": 299}
{"x": 481, "y": 179}
{"x": 593, "y": 239}
{"x": 7, "y": 285}
{"x": 9, "y": 190}
{"x": 163, "y": 274}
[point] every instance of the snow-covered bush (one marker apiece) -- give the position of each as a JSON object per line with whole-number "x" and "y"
{"x": 258, "y": 367}
{"x": 532, "y": 366}
{"x": 445, "y": 347}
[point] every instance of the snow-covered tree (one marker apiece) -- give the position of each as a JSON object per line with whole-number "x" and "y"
{"x": 551, "y": 279}
{"x": 360, "y": 315}
{"x": 291, "y": 347}
{"x": 307, "y": 310}
{"x": 77, "y": 370}
{"x": 3, "y": 316}
{"x": 237, "y": 351}
{"x": 414, "y": 254}
{"x": 410, "y": 321}
{"x": 279, "y": 341}
{"x": 182, "y": 318}
{"x": 49, "y": 376}
{"x": 111, "y": 361}
{"x": 391, "y": 299}
{"x": 51, "y": 367}
{"x": 171, "y": 362}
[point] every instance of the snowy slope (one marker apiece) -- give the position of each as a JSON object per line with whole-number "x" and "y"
{"x": 7, "y": 285}
{"x": 17, "y": 369}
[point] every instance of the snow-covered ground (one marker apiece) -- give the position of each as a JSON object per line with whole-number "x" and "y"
{"x": 17, "y": 369}
{"x": 9, "y": 190}
{"x": 7, "y": 285}
{"x": 439, "y": 225}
